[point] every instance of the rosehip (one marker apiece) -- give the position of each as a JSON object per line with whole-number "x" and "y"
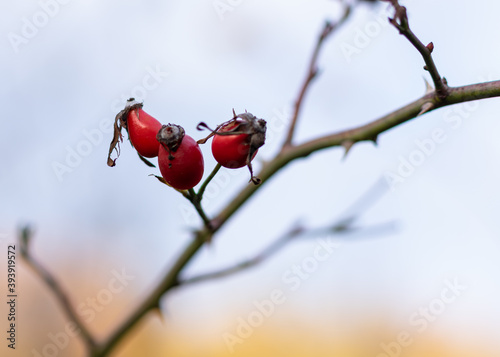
{"x": 231, "y": 151}
{"x": 142, "y": 130}
{"x": 237, "y": 141}
{"x": 179, "y": 157}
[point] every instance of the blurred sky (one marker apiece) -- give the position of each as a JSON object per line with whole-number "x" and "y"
{"x": 64, "y": 75}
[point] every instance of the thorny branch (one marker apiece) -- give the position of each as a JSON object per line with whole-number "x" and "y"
{"x": 442, "y": 96}
{"x": 368, "y": 131}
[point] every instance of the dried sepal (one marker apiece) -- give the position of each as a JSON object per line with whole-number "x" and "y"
{"x": 161, "y": 179}
{"x": 146, "y": 161}
{"x": 185, "y": 193}
{"x": 170, "y": 137}
{"x": 120, "y": 123}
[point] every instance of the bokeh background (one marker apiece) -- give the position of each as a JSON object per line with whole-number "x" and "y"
{"x": 67, "y": 69}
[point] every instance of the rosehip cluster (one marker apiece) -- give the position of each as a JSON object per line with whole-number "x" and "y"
{"x": 180, "y": 160}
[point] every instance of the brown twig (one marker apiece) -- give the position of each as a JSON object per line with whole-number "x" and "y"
{"x": 56, "y": 289}
{"x": 266, "y": 253}
{"x": 152, "y": 300}
{"x": 400, "y": 21}
{"x": 312, "y": 72}
{"x": 196, "y": 202}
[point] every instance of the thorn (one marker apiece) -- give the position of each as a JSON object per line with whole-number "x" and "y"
{"x": 425, "y": 68}
{"x": 427, "y": 106}
{"x": 234, "y": 113}
{"x": 374, "y": 140}
{"x": 347, "y": 144}
{"x": 157, "y": 310}
{"x": 428, "y": 87}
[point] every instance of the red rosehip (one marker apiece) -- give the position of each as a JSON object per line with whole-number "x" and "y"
{"x": 237, "y": 141}
{"x": 231, "y": 151}
{"x": 179, "y": 157}
{"x": 142, "y": 130}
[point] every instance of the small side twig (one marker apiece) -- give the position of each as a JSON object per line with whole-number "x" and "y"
{"x": 193, "y": 198}
{"x": 400, "y": 21}
{"x": 266, "y": 253}
{"x": 312, "y": 71}
{"x": 342, "y": 225}
{"x": 55, "y": 287}
{"x": 204, "y": 185}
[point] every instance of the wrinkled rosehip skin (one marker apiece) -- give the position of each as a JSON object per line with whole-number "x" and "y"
{"x": 142, "y": 129}
{"x": 186, "y": 169}
{"x": 231, "y": 151}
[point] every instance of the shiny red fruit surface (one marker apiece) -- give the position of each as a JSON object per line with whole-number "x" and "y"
{"x": 231, "y": 151}
{"x": 182, "y": 169}
{"x": 142, "y": 130}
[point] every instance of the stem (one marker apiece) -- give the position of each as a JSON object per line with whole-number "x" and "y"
{"x": 266, "y": 253}
{"x": 201, "y": 191}
{"x": 62, "y": 297}
{"x": 195, "y": 200}
{"x": 430, "y": 66}
{"x": 169, "y": 281}
{"x": 312, "y": 72}
{"x": 343, "y": 224}
{"x": 404, "y": 29}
